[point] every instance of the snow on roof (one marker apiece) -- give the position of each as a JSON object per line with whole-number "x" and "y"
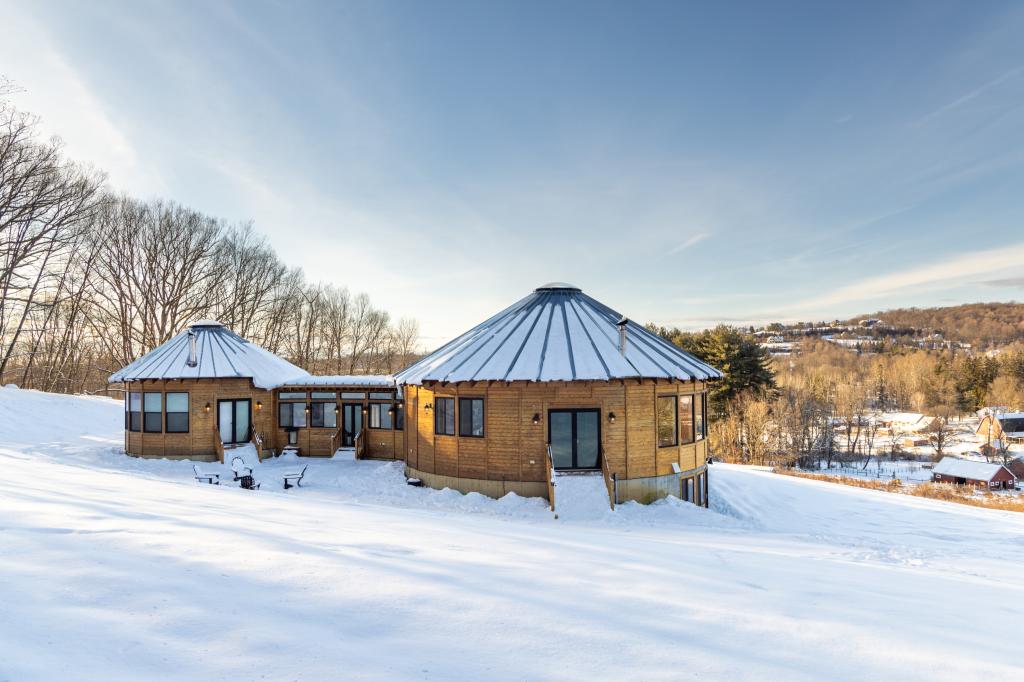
{"x": 901, "y": 417}
{"x": 962, "y": 468}
{"x": 557, "y": 333}
{"x": 219, "y": 353}
{"x": 382, "y": 381}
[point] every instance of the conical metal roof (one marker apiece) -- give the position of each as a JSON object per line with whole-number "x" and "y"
{"x": 219, "y": 353}
{"x": 557, "y": 333}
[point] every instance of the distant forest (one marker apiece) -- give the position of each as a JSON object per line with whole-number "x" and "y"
{"x": 91, "y": 280}
{"x": 983, "y": 325}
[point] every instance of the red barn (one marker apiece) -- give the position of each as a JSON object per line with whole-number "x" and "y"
{"x": 969, "y": 472}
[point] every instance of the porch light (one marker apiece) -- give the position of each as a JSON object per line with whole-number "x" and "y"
{"x": 259, "y": 406}
{"x": 307, "y": 408}
{"x": 400, "y": 404}
{"x": 207, "y": 408}
{"x": 337, "y": 409}
{"x": 427, "y": 407}
{"x": 611, "y": 417}
{"x": 391, "y": 410}
{"x": 365, "y": 409}
{"x": 536, "y": 419}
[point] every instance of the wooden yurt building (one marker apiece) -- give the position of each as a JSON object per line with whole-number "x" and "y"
{"x": 559, "y": 381}
{"x": 208, "y": 389}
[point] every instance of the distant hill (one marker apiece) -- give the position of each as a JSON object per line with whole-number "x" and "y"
{"x": 983, "y": 325}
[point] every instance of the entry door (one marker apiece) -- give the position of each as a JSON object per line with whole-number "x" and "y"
{"x": 233, "y": 420}
{"x": 575, "y": 438}
{"x": 351, "y": 423}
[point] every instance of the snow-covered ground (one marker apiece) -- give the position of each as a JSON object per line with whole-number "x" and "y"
{"x": 117, "y": 568}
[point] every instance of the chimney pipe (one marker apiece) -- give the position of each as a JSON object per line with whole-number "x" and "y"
{"x": 192, "y": 359}
{"x": 621, "y": 324}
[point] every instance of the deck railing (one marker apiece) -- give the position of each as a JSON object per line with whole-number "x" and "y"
{"x": 335, "y": 441}
{"x": 218, "y": 444}
{"x": 360, "y": 444}
{"x": 257, "y": 442}
{"x": 610, "y": 483}
{"x": 550, "y": 468}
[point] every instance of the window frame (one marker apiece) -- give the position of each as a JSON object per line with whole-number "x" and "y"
{"x": 447, "y": 400}
{"x": 293, "y": 425}
{"x": 382, "y": 416}
{"x": 158, "y": 412}
{"x": 187, "y": 412}
{"x": 483, "y": 417}
{"x": 675, "y": 420}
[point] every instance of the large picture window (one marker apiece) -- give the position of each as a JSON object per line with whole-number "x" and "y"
{"x": 380, "y": 418}
{"x": 152, "y": 418}
{"x": 686, "y": 418}
{"x": 444, "y": 416}
{"x": 667, "y": 427}
{"x": 291, "y": 415}
{"x": 322, "y": 415}
{"x": 176, "y": 407}
{"x": 471, "y": 417}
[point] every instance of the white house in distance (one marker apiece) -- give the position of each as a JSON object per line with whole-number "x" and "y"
{"x": 906, "y": 422}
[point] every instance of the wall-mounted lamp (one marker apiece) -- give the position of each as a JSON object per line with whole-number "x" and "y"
{"x": 391, "y": 410}
{"x": 611, "y": 417}
{"x": 337, "y": 409}
{"x": 536, "y": 419}
{"x": 400, "y": 404}
{"x": 365, "y": 409}
{"x": 306, "y": 408}
{"x": 259, "y": 406}
{"x": 427, "y": 407}
{"x": 207, "y": 408}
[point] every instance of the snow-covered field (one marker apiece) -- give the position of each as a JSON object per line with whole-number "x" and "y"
{"x": 118, "y": 568}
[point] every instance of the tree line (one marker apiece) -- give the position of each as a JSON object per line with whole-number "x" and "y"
{"x": 90, "y": 279}
{"x": 816, "y": 408}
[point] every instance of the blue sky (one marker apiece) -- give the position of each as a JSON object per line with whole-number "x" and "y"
{"x": 684, "y": 163}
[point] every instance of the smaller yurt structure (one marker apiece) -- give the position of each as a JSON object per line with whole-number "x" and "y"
{"x": 203, "y": 385}
{"x": 559, "y": 382}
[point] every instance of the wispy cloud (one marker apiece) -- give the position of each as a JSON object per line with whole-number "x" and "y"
{"x": 973, "y": 94}
{"x": 1008, "y": 282}
{"x": 691, "y": 241}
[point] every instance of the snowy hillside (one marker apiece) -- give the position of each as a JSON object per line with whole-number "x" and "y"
{"x": 118, "y": 568}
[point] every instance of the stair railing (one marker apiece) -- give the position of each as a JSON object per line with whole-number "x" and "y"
{"x": 218, "y": 444}
{"x": 610, "y": 483}
{"x": 360, "y": 444}
{"x": 550, "y": 469}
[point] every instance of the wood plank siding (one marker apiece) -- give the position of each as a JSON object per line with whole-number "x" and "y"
{"x": 513, "y": 447}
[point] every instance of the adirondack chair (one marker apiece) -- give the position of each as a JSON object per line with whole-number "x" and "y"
{"x": 210, "y": 477}
{"x": 294, "y": 478}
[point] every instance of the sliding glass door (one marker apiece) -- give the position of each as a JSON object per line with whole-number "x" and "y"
{"x": 575, "y": 438}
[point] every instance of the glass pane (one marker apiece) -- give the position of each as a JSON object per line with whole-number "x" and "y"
{"x": 316, "y": 415}
{"x": 358, "y": 411}
{"x": 349, "y": 420}
{"x": 136, "y": 402}
{"x": 299, "y": 414}
{"x": 449, "y": 416}
{"x": 385, "y": 418}
{"x": 698, "y": 408}
{"x": 284, "y": 414}
{"x": 352, "y": 395}
{"x": 374, "y": 416}
{"x": 152, "y": 422}
{"x": 381, "y": 396}
{"x": 686, "y": 418}
{"x": 225, "y": 414}
{"x": 330, "y": 416}
{"x": 152, "y": 402}
{"x": 177, "y": 402}
{"x": 177, "y": 422}
{"x": 478, "y": 418}
{"x": 293, "y": 395}
{"x": 465, "y": 417}
{"x": 136, "y": 421}
{"x": 241, "y": 421}
{"x": 587, "y": 441}
{"x": 329, "y": 395}
{"x": 561, "y": 439}
{"x": 399, "y": 418}
{"x": 666, "y": 421}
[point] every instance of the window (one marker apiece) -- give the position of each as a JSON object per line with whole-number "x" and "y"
{"x": 471, "y": 417}
{"x": 381, "y": 396}
{"x": 292, "y": 396}
{"x": 686, "y": 419}
{"x": 700, "y": 408}
{"x": 323, "y": 395}
{"x": 399, "y": 416}
{"x": 291, "y": 415}
{"x": 444, "y": 416}
{"x": 134, "y": 409}
{"x": 353, "y": 395}
{"x": 380, "y": 418}
{"x": 152, "y": 406}
{"x": 176, "y": 406}
{"x": 667, "y": 427}
{"x": 322, "y": 415}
